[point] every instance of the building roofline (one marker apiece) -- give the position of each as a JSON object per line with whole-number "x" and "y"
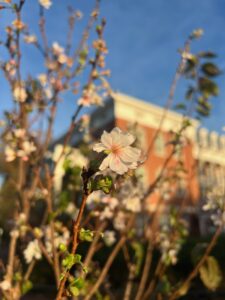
{"x": 147, "y": 107}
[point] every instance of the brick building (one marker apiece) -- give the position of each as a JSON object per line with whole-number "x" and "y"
{"x": 201, "y": 159}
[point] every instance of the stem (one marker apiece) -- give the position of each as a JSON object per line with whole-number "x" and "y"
{"x": 92, "y": 248}
{"x": 129, "y": 285}
{"x": 195, "y": 271}
{"x": 159, "y": 270}
{"x": 148, "y": 260}
{"x": 75, "y": 243}
{"x": 109, "y": 262}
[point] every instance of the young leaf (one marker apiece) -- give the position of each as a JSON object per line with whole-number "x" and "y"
{"x": 74, "y": 291}
{"x": 210, "y": 69}
{"x": 210, "y": 273}
{"x": 207, "y": 54}
{"x": 86, "y": 235}
{"x": 208, "y": 87}
{"x": 26, "y": 286}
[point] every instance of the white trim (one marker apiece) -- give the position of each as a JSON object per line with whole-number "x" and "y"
{"x": 131, "y": 109}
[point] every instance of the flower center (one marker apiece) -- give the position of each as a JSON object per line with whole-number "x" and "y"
{"x": 116, "y": 149}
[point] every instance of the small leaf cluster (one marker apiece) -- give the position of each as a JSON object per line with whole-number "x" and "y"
{"x": 102, "y": 183}
{"x": 201, "y": 71}
{"x": 86, "y": 235}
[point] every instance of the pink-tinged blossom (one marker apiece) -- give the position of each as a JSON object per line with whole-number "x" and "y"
{"x": 121, "y": 156}
{"x": 90, "y": 97}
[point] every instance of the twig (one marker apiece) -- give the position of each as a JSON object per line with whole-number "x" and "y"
{"x": 195, "y": 271}
{"x": 109, "y": 262}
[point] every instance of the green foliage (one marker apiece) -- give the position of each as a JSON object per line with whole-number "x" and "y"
{"x": 207, "y": 54}
{"x": 164, "y": 285}
{"x": 208, "y": 87}
{"x": 26, "y": 286}
{"x": 210, "y": 273}
{"x": 139, "y": 256}
{"x": 76, "y": 286}
{"x": 86, "y": 235}
{"x": 62, "y": 248}
{"x": 210, "y": 69}
{"x": 103, "y": 183}
{"x": 202, "y": 72}
{"x": 70, "y": 260}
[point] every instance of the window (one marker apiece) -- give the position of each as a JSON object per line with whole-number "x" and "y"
{"x": 160, "y": 145}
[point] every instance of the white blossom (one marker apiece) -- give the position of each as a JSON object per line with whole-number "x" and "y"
{"x": 90, "y": 97}
{"x": 109, "y": 237}
{"x": 133, "y": 204}
{"x": 112, "y": 202}
{"x": 30, "y": 39}
{"x": 27, "y": 148}
{"x": 43, "y": 79}
{"x": 45, "y": 3}
{"x": 57, "y": 49}
{"x": 32, "y": 251}
{"x": 119, "y": 221}
{"x": 121, "y": 156}
{"x": 10, "y": 153}
{"x": 19, "y": 132}
{"x": 74, "y": 156}
{"x": 20, "y": 94}
{"x": 5, "y": 285}
{"x": 107, "y": 213}
{"x": 59, "y": 238}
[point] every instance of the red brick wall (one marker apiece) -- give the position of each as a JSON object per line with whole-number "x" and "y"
{"x": 154, "y": 162}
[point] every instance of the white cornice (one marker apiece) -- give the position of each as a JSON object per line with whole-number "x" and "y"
{"x": 209, "y": 155}
{"x": 136, "y": 110}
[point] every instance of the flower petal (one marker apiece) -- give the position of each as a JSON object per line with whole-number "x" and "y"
{"x": 117, "y": 165}
{"x": 106, "y": 139}
{"x": 130, "y": 154}
{"x": 105, "y": 163}
{"x": 99, "y": 147}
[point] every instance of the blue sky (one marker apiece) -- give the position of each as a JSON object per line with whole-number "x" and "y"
{"x": 143, "y": 38}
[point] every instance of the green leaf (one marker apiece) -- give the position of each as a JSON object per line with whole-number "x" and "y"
{"x": 74, "y": 290}
{"x": 210, "y": 273}
{"x": 86, "y": 235}
{"x": 77, "y": 259}
{"x": 210, "y": 69}
{"x": 26, "y": 286}
{"x": 164, "y": 285}
{"x": 70, "y": 260}
{"x": 139, "y": 256}
{"x": 207, "y": 54}
{"x": 180, "y": 106}
{"x": 204, "y": 103}
{"x": 76, "y": 286}
{"x": 191, "y": 63}
{"x": 103, "y": 183}
{"x": 183, "y": 289}
{"x": 62, "y": 247}
{"x": 79, "y": 283}
{"x": 208, "y": 87}
{"x": 202, "y": 111}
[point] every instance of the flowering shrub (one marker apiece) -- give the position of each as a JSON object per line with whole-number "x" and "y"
{"x": 71, "y": 203}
